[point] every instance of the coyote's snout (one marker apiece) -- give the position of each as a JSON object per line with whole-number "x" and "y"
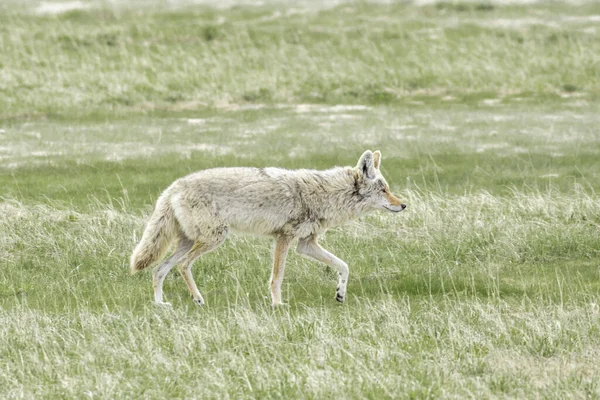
{"x": 197, "y": 211}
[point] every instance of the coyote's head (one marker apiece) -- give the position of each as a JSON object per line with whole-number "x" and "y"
{"x": 372, "y": 187}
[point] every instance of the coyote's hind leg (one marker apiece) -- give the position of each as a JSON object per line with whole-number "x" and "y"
{"x": 161, "y": 271}
{"x": 201, "y": 246}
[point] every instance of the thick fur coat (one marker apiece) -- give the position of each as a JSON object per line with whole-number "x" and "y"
{"x": 198, "y": 210}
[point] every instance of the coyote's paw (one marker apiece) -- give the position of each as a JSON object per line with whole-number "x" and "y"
{"x": 340, "y": 293}
{"x": 199, "y": 302}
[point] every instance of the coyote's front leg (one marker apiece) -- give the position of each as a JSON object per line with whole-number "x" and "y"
{"x": 310, "y": 248}
{"x": 282, "y": 245}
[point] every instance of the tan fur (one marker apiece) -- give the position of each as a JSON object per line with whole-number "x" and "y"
{"x": 198, "y": 210}
{"x": 157, "y": 236}
{"x": 376, "y": 159}
{"x": 282, "y": 246}
{"x": 391, "y": 198}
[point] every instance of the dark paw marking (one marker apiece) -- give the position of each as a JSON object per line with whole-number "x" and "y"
{"x": 339, "y": 297}
{"x": 199, "y": 302}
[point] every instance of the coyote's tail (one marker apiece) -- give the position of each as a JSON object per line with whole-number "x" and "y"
{"x": 156, "y": 238}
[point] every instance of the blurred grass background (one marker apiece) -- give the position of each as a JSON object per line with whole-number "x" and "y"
{"x": 117, "y": 60}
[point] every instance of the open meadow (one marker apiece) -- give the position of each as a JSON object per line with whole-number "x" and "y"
{"x": 487, "y": 116}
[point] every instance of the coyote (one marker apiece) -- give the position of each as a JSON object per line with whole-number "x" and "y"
{"x": 198, "y": 210}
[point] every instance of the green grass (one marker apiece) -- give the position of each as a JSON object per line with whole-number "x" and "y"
{"x": 114, "y": 61}
{"x": 487, "y": 286}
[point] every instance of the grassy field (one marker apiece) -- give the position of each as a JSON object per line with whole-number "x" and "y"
{"x": 487, "y": 286}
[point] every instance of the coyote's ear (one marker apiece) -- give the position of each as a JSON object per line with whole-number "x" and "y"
{"x": 376, "y": 159}
{"x": 366, "y": 165}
